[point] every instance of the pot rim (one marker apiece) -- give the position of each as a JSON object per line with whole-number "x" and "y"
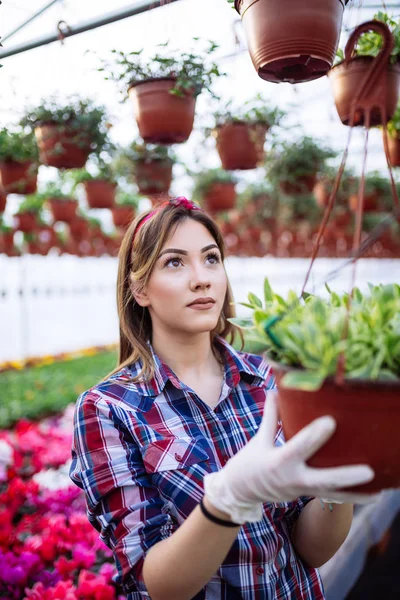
{"x": 356, "y": 382}
{"x": 237, "y": 2}
{"x": 134, "y": 83}
{"x": 368, "y": 59}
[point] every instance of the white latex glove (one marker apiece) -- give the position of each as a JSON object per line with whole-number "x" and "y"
{"x": 261, "y": 472}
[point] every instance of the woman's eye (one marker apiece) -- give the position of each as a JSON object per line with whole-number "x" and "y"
{"x": 174, "y": 262}
{"x": 213, "y": 257}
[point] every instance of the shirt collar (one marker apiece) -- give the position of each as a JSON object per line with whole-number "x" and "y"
{"x": 237, "y": 366}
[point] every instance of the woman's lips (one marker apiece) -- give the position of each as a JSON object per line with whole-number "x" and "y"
{"x": 202, "y": 306}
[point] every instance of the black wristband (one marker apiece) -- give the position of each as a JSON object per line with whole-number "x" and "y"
{"x": 211, "y": 517}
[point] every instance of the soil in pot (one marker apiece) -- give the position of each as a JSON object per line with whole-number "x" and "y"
{"x": 368, "y": 423}
{"x": 154, "y": 177}
{"x": 123, "y": 216}
{"x": 63, "y": 210}
{"x": 27, "y": 222}
{"x": 303, "y": 185}
{"x": 346, "y": 82}
{"x": 18, "y": 177}
{"x": 100, "y": 193}
{"x": 295, "y": 43}
{"x": 162, "y": 117}
{"x": 220, "y": 197}
{"x": 61, "y": 147}
{"x": 394, "y": 150}
{"x": 240, "y": 145}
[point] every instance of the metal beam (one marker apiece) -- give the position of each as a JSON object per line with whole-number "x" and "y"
{"x": 112, "y": 17}
{"x": 32, "y": 18}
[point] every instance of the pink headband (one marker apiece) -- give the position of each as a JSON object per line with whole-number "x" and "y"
{"x": 180, "y": 201}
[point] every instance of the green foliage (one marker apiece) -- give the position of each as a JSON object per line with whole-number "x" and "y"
{"x": 308, "y": 334}
{"x": 204, "y": 180}
{"x": 5, "y": 228}
{"x": 74, "y": 177}
{"x": 293, "y": 208}
{"x": 394, "y": 125}
{"x": 127, "y": 199}
{"x": 32, "y": 203}
{"x": 192, "y": 71}
{"x": 254, "y": 111}
{"x": 17, "y": 145}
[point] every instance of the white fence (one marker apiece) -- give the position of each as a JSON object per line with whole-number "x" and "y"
{"x": 50, "y": 304}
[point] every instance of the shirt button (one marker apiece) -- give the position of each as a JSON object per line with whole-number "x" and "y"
{"x": 259, "y": 570}
{"x": 178, "y": 457}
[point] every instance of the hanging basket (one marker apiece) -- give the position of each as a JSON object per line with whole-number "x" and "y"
{"x": 371, "y": 203}
{"x": 291, "y": 40}
{"x": 153, "y": 177}
{"x": 394, "y": 150}
{"x": 240, "y": 145}
{"x": 162, "y": 117}
{"x": 3, "y": 202}
{"x": 79, "y": 228}
{"x": 27, "y": 222}
{"x": 63, "y": 210}
{"x": 303, "y": 185}
{"x": 368, "y": 421}
{"x": 18, "y": 177}
{"x": 220, "y": 197}
{"x": 100, "y": 193}
{"x": 61, "y": 146}
{"x": 123, "y": 216}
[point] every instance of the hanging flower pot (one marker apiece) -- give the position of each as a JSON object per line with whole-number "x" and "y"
{"x": 100, "y": 193}
{"x": 153, "y": 176}
{"x": 27, "y": 221}
{"x": 240, "y": 145}
{"x": 394, "y": 150}
{"x": 63, "y": 209}
{"x": 304, "y": 184}
{"x": 220, "y": 197}
{"x": 6, "y": 238}
{"x": 61, "y": 146}
{"x": 18, "y": 177}
{"x": 123, "y": 215}
{"x": 295, "y": 42}
{"x": 3, "y": 202}
{"x": 79, "y": 228}
{"x": 371, "y": 202}
{"x": 162, "y": 117}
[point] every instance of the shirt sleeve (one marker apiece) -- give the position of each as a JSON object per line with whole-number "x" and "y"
{"x": 122, "y": 503}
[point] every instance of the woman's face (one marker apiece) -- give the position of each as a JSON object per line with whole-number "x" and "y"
{"x": 188, "y": 270}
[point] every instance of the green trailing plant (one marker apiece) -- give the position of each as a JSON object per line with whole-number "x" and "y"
{"x": 191, "y": 70}
{"x": 204, "y": 180}
{"x": 292, "y": 209}
{"x": 75, "y": 177}
{"x": 262, "y": 196}
{"x": 307, "y": 334}
{"x": 18, "y": 146}
{"x": 32, "y": 203}
{"x": 370, "y": 43}
{"x": 393, "y": 126}
{"x": 5, "y": 228}
{"x": 253, "y": 112}
{"x": 89, "y": 120}
{"x": 124, "y": 198}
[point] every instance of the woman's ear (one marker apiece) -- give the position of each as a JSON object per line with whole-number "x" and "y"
{"x": 138, "y": 294}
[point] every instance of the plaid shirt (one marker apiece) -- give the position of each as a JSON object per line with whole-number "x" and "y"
{"x": 140, "y": 453}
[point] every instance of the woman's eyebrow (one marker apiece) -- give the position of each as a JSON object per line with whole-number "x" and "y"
{"x": 184, "y": 252}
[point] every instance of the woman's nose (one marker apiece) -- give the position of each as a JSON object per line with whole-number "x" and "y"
{"x": 199, "y": 279}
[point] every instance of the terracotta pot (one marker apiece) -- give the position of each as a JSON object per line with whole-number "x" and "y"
{"x": 304, "y": 185}
{"x": 18, "y": 177}
{"x": 63, "y": 210}
{"x": 346, "y": 82}
{"x": 3, "y": 202}
{"x": 371, "y": 202}
{"x": 79, "y": 228}
{"x": 123, "y": 215}
{"x": 294, "y": 43}
{"x": 62, "y": 147}
{"x": 394, "y": 150}
{"x": 162, "y": 117}
{"x": 220, "y": 197}
{"x": 240, "y": 145}
{"x": 368, "y": 422}
{"x": 153, "y": 177}
{"x": 100, "y": 193}
{"x": 26, "y": 222}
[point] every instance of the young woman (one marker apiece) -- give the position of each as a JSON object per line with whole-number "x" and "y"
{"x": 180, "y": 451}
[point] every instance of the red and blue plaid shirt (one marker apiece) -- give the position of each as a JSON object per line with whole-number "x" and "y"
{"x": 140, "y": 453}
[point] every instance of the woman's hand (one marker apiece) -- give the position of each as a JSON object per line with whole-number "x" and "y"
{"x": 261, "y": 472}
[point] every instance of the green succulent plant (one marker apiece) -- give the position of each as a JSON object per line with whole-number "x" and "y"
{"x": 204, "y": 180}
{"x": 32, "y": 203}
{"x": 127, "y": 199}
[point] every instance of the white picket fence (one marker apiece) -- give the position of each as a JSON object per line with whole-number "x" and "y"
{"x": 53, "y": 304}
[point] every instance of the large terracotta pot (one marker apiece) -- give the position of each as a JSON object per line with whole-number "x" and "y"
{"x": 62, "y": 147}
{"x": 346, "y": 82}
{"x": 291, "y": 40}
{"x": 100, "y": 193}
{"x": 368, "y": 424}
{"x": 154, "y": 177}
{"x": 3, "y": 202}
{"x": 240, "y": 145}
{"x": 63, "y": 210}
{"x": 220, "y": 197}
{"x": 123, "y": 215}
{"x": 162, "y": 117}
{"x": 303, "y": 185}
{"x": 26, "y": 222}
{"x": 371, "y": 202}
{"x": 394, "y": 150}
{"x": 18, "y": 177}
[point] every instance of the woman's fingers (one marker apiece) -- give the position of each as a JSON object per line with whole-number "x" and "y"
{"x": 269, "y": 423}
{"x": 338, "y": 477}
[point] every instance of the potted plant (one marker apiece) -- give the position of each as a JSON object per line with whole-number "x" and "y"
{"x": 18, "y": 162}
{"x": 348, "y": 76}
{"x": 215, "y": 189}
{"x": 325, "y": 184}
{"x": 293, "y": 44}
{"x": 377, "y": 194}
{"x": 124, "y": 210}
{"x": 163, "y": 89}
{"x": 100, "y": 188}
{"x": 67, "y": 133}
{"x": 294, "y": 168}
{"x": 29, "y": 212}
{"x": 393, "y": 128}
{"x": 61, "y": 204}
{"x": 151, "y": 166}
{"x": 6, "y": 237}
{"x": 240, "y": 133}
{"x": 307, "y": 340}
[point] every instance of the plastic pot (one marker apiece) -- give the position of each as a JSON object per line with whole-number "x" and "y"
{"x": 291, "y": 40}
{"x": 61, "y": 146}
{"x": 162, "y": 117}
{"x": 18, "y": 177}
{"x": 368, "y": 421}
{"x": 394, "y": 150}
{"x": 303, "y": 185}
{"x": 220, "y": 197}
{"x": 123, "y": 216}
{"x": 3, "y": 202}
{"x": 63, "y": 210}
{"x": 371, "y": 202}
{"x": 100, "y": 193}
{"x": 240, "y": 145}
{"x": 153, "y": 177}
{"x": 27, "y": 222}
{"x": 346, "y": 82}
{"x": 79, "y": 229}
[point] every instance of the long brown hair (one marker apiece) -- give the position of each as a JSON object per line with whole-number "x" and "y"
{"x": 137, "y": 256}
